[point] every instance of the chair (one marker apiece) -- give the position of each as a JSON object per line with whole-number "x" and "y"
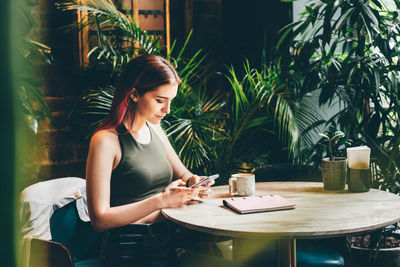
{"x": 47, "y": 253}
{"x": 78, "y": 237}
{"x": 53, "y": 232}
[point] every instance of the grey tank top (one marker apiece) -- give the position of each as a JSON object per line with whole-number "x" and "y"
{"x": 143, "y": 171}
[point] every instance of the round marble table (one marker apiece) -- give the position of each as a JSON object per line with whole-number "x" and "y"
{"x": 319, "y": 213}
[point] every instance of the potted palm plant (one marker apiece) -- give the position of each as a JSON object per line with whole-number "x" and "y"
{"x": 334, "y": 169}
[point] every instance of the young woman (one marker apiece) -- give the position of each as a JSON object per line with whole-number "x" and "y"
{"x": 132, "y": 170}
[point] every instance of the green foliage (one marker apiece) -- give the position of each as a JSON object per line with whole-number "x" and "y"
{"x": 349, "y": 50}
{"x": 119, "y": 37}
{"x": 191, "y": 124}
{"x": 333, "y": 140}
{"x": 29, "y": 101}
{"x": 230, "y": 133}
{"x": 352, "y": 58}
{"x": 220, "y": 132}
{"x": 97, "y": 106}
{"x": 193, "y": 129}
{"x": 386, "y": 158}
{"x": 250, "y": 118}
{"x": 217, "y": 134}
{"x": 31, "y": 104}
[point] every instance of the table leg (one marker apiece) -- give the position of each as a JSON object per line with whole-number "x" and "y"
{"x": 286, "y": 252}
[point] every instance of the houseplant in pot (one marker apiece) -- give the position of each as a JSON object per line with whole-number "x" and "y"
{"x": 334, "y": 169}
{"x": 378, "y": 248}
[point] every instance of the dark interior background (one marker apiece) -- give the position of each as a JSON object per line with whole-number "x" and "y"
{"x": 227, "y": 30}
{"x": 231, "y": 30}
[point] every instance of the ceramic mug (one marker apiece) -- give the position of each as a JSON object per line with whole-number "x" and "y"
{"x": 242, "y": 184}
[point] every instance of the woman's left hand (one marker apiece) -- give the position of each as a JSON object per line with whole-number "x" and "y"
{"x": 205, "y": 189}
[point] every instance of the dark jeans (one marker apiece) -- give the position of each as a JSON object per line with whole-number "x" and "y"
{"x": 138, "y": 245}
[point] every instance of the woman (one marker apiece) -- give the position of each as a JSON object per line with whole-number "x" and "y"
{"x": 132, "y": 170}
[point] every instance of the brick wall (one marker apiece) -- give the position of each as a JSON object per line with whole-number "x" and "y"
{"x": 59, "y": 152}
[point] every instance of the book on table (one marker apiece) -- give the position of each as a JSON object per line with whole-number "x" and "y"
{"x": 244, "y": 205}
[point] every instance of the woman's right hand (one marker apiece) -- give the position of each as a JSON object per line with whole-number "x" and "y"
{"x": 176, "y": 194}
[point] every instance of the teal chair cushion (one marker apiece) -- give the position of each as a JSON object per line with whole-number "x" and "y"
{"x": 93, "y": 262}
{"x": 317, "y": 257}
{"x": 79, "y": 237}
{"x": 320, "y": 252}
{"x": 309, "y": 253}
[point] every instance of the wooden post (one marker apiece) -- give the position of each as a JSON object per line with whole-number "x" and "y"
{"x": 167, "y": 27}
{"x": 83, "y": 40}
{"x": 135, "y": 11}
{"x": 188, "y": 16}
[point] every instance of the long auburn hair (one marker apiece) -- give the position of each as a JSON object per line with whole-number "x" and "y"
{"x": 144, "y": 73}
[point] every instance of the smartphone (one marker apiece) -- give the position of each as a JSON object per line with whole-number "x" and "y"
{"x": 205, "y": 180}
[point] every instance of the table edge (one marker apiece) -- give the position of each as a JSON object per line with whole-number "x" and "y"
{"x": 257, "y": 235}
{"x": 303, "y": 235}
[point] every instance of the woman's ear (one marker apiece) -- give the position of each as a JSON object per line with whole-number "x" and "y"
{"x": 134, "y": 95}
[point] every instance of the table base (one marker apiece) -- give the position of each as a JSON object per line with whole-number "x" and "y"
{"x": 286, "y": 252}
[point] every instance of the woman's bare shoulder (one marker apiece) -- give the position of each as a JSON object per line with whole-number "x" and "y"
{"x": 107, "y": 138}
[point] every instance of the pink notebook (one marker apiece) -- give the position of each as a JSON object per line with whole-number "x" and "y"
{"x": 253, "y": 204}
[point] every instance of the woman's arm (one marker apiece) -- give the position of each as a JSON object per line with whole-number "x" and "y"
{"x": 101, "y": 158}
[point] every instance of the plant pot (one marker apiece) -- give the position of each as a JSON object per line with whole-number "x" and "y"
{"x": 360, "y": 257}
{"x": 388, "y": 253}
{"x": 359, "y": 180}
{"x": 334, "y": 173}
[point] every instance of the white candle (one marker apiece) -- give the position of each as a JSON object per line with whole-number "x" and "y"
{"x": 358, "y": 157}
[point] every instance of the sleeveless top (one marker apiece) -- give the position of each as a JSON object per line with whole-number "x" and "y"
{"x": 143, "y": 171}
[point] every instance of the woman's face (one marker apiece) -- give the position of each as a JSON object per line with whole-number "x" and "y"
{"x": 154, "y": 105}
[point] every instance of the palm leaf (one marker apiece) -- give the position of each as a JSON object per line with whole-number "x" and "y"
{"x": 108, "y": 20}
